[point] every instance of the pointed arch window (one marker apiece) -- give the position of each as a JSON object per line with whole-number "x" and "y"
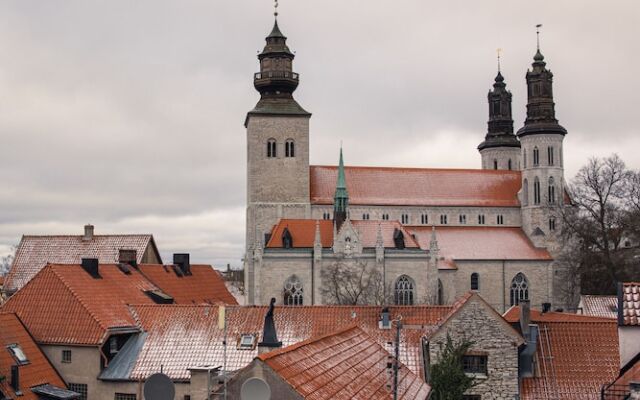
{"x": 293, "y": 292}
{"x": 289, "y": 148}
{"x": 536, "y": 156}
{"x": 440, "y": 298}
{"x": 525, "y": 193}
{"x": 424, "y": 219}
{"x": 495, "y": 164}
{"x": 524, "y": 156}
{"x": 519, "y": 289}
{"x": 550, "y": 155}
{"x": 552, "y": 224}
{"x": 536, "y": 191}
{"x": 271, "y": 148}
{"x": 475, "y": 281}
{"x": 404, "y": 291}
{"x": 552, "y": 191}
{"x": 509, "y": 164}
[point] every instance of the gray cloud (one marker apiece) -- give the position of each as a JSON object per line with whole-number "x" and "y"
{"x": 129, "y": 114}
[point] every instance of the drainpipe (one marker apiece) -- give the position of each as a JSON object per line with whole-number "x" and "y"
{"x": 504, "y": 288}
{"x": 313, "y": 273}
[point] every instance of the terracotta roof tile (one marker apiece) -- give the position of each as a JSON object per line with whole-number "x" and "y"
{"x": 599, "y": 306}
{"x": 179, "y": 337}
{"x": 343, "y": 365}
{"x": 631, "y": 373}
{"x": 38, "y": 371}
{"x": 631, "y": 303}
{"x": 34, "y": 252}
{"x": 418, "y": 186}
{"x": 480, "y": 243}
{"x": 303, "y": 233}
{"x": 576, "y": 355}
{"x": 204, "y": 285}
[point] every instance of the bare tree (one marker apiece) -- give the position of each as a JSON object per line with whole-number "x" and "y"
{"x": 6, "y": 261}
{"x": 351, "y": 282}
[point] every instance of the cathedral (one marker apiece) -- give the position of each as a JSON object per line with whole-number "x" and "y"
{"x": 426, "y": 235}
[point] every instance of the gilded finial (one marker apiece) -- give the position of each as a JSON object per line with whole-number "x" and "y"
{"x": 498, "y": 51}
{"x": 538, "y": 26}
{"x": 275, "y": 9}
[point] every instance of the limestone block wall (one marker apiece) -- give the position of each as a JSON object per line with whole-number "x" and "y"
{"x": 502, "y": 155}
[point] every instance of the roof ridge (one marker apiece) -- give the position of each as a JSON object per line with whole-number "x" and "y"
{"x": 477, "y": 170}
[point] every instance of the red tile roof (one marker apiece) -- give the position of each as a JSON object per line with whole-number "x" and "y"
{"x": 303, "y": 233}
{"x": 34, "y": 252}
{"x": 418, "y": 186}
{"x": 179, "y": 337}
{"x": 343, "y": 365}
{"x": 630, "y": 373}
{"x": 204, "y": 285}
{"x": 631, "y": 303}
{"x": 598, "y": 306}
{"x": 38, "y": 371}
{"x": 480, "y": 243}
{"x": 575, "y": 355}
{"x": 64, "y": 304}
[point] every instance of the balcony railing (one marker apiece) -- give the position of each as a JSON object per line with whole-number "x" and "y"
{"x": 276, "y": 74}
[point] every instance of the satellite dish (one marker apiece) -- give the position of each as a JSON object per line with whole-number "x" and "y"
{"x": 159, "y": 387}
{"x": 255, "y": 389}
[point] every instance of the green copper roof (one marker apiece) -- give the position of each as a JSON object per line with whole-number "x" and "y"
{"x": 341, "y": 186}
{"x": 275, "y": 32}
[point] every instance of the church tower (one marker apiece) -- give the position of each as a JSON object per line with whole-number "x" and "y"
{"x": 341, "y": 197}
{"x": 501, "y": 148}
{"x": 542, "y": 160}
{"x": 277, "y": 151}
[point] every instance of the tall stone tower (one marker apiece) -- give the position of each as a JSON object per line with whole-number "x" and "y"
{"x": 277, "y": 152}
{"x": 541, "y": 137}
{"x": 501, "y": 148}
{"x": 341, "y": 197}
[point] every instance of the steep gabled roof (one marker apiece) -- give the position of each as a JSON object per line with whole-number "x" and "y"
{"x": 203, "y": 286}
{"x": 576, "y": 355}
{"x": 418, "y": 186}
{"x": 179, "y": 337}
{"x": 38, "y": 371}
{"x": 342, "y": 365}
{"x": 34, "y": 252}
{"x": 598, "y": 306}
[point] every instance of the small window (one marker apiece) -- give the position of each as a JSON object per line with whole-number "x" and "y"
{"x": 525, "y": 193}
{"x": 405, "y": 218}
{"x": 424, "y": 219}
{"x": 365, "y": 216}
{"x": 271, "y": 148}
{"x": 524, "y": 158}
{"x": 326, "y": 215}
{"x": 475, "y": 281}
{"x": 18, "y": 354}
{"x": 550, "y": 155}
{"x": 474, "y": 364}
{"x": 536, "y": 191}
{"x": 289, "y": 148}
{"x": 495, "y": 164}
{"x": 552, "y": 191}
{"x": 552, "y": 224}
{"x": 462, "y": 218}
{"x": 125, "y": 396}
{"x": 443, "y": 219}
{"x": 385, "y": 217}
{"x": 481, "y": 219}
{"x": 80, "y": 388}
{"x": 247, "y": 341}
{"x": 536, "y": 157}
{"x": 500, "y": 219}
{"x": 66, "y": 356}
{"x": 510, "y": 165}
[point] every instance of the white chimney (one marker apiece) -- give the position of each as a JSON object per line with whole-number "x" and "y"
{"x": 88, "y": 232}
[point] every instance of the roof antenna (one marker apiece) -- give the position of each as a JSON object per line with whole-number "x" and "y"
{"x": 538, "y": 34}
{"x": 498, "y": 51}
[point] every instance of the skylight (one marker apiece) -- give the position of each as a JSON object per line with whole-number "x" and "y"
{"x": 18, "y": 354}
{"x": 247, "y": 341}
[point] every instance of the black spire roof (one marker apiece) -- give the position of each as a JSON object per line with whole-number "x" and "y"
{"x": 500, "y": 125}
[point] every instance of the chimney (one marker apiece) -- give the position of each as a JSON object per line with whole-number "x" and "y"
{"x": 634, "y": 390}
{"x": 15, "y": 378}
{"x": 182, "y": 261}
{"x": 129, "y": 257}
{"x": 546, "y": 307}
{"x": 88, "y": 233}
{"x": 91, "y": 266}
{"x": 385, "y": 319}
{"x": 269, "y": 336}
{"x": 525, "y": 317}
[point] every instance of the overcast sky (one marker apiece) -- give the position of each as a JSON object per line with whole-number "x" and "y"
{"x": 129, "y": 114}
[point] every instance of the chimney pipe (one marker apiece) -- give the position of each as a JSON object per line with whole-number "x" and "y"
{"x": 269, "y": 336}
{"x": 525, "y": 317}
{"x": 129, "y": 257}
{"x": 88, "y": 233}
{"x": 15, "y": 378}
{"x": 90, "y": 265}
{"x": 182, "y": 261}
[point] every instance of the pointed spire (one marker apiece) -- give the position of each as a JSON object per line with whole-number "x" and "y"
{"x": 433, "y": 243}
{"x": 341, "y": 197}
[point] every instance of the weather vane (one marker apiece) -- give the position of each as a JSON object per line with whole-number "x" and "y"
{"x": 538, "y": 34}
{"x": 275, "y": 9}
{"x": 498, "y": 50}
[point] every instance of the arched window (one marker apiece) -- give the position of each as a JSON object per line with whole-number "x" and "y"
{"x": 404, "y": 218}
{"x": 475, "y": 281}
{"x": 289, "y": 148}
{"x": 403, "y": 293}
{"x": 495, "y": 164}
{"x": 536, "y": 191}
{"x": 524, "y": 157}
{"x": 552, "y": 191}
{"x": 525, "y": 193}
{"x": 552, "y": 224}
{"x": 519, "y": 289}
{"x": 271, "y": 148}
{"x": 536, "y": 156}
{"x": 424, "y": 218}
{"x": 510, "y": 165}
{"x": 293, "y": 295}
{"x": 440, "y": 299}
{"x": 550, "y": 155}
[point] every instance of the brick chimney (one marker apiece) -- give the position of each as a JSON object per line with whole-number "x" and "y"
{"x": 88, "y": 233}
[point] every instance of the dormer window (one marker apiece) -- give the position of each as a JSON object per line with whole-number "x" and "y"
{"x": 398, "y": 239}
{"x": 247, "y": 341}
{"x": 287, "y": 239}
{"x": 18, "y": 354}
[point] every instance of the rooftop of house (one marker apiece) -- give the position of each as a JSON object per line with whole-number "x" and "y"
{"x": 36, "y": 251}
{"x": 17, "y": 347}
{"x": 385, "y": 186}
{"x": 630, "y": 303}
{"x": 598, "y": 306}
{"x": 342, "y": 365}
{"x": 178, "y": 337}
{"x": 575, "y": 355}
{"x": 66, "y": 304}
